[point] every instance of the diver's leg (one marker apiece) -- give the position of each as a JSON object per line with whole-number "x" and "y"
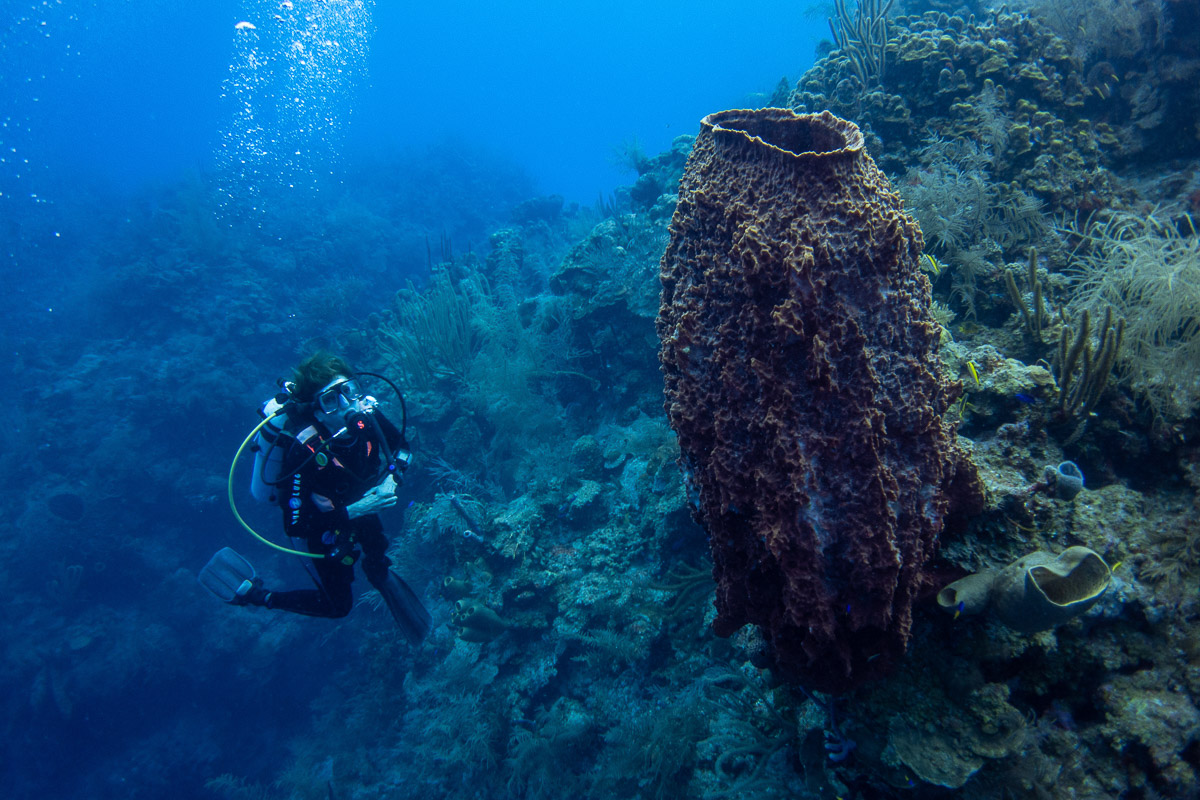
{"x": 408, "y": 611}
{"x": 331, "y": 598}
{"x": 375, "y": 561}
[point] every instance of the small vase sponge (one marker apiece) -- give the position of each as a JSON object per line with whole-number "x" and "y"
{"x": 1034, "y": 593}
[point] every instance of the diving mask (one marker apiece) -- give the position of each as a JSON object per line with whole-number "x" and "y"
{"x": 339, "y": 396}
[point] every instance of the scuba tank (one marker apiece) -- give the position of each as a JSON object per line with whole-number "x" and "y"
{"x": 268, "y": 456}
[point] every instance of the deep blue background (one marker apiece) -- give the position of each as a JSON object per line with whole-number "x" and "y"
{"x": 127, "y": 91}
{"x": 143, "y": 325}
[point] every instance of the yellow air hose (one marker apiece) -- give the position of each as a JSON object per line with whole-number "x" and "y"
{"x": 233, "y": 507}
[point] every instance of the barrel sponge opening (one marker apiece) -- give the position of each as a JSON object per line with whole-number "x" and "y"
{"x": 1086, "y": 581}
{"x": 1034, "y": 593}
{"x": 784, "y": 129}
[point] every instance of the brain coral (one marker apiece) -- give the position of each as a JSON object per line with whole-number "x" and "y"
{"x": 801, "y": 377}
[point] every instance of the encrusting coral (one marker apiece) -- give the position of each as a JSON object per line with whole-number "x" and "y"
{"x": 1005, "y": 79}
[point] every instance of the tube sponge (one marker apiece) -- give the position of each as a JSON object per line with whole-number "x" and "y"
{"x": 476, "y": 622}
{"x": 1034, "y": 593}
{"x": 455, "y": 588}
{"x": 1066, "y": 479}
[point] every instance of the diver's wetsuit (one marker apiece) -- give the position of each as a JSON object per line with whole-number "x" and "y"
{"x": 314, "y": 502}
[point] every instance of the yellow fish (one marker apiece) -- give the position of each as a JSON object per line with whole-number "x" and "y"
{"x": 974, "y": 372}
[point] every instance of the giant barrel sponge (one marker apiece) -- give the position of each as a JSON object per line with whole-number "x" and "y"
{"x": 799, "y": 356}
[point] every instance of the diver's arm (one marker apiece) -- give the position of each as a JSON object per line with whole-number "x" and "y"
{"x": 306, "y": 511}
{"x": 383, "y": 495}
{"x": 375, "y": 500}
{"x": 397, "y": 446}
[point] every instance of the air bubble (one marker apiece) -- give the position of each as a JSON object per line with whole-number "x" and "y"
{"x": 284, "y": 126}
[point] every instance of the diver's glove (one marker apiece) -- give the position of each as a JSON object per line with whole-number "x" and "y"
{"x": 375, "y": 500}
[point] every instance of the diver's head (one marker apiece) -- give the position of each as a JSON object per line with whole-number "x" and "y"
{"x": 328, "y": 384}
{"x": 338, "y": 401}
{"x": 316, "y": 372}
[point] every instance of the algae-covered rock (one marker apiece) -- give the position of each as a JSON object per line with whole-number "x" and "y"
{"x": 1147, "y": 709}
{"x": 587, "y": 456}
{"x": 1111, "y": 519}
{"x": 947, "y": 749}
{"x": 585, "y": 504}
{"x": 935, "y": 757}
{"x": 1000, "y": 387}
{"x": 518, "y": 525}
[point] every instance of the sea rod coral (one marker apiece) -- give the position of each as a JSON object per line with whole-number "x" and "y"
{"x": 801, "y": 375}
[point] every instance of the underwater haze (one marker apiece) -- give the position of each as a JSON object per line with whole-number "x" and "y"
{"x": 128, "y": 92}
{"x": 841, "y": 445}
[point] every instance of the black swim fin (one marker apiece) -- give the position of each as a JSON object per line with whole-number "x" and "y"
{"x": 406, "y": 608}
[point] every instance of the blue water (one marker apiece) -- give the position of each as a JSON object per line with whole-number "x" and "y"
{"x": 129, "y": 91}
{"x": 155, "y": 287}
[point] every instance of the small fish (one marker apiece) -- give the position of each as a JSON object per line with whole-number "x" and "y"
{"x": 931, "y": 264}
{"x": 1114, "y": 566}
{"x": 1027, "y": 399}
{"x": 1100, "y": 80}
{"x": 974, "y": 372}
{"x": 959, "y": 608}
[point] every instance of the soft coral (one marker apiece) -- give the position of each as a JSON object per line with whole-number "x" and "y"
{"x": 1193, "y": 200}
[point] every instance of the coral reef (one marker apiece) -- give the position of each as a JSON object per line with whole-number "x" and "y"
{"x": 801, "y": 378}
{"x": 549, "y": 496}
{"x": 1005, "y": 83}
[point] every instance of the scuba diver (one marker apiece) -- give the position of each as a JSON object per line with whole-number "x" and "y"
{"x": 331, "y": 460}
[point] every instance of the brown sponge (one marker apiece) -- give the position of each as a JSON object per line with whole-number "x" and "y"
{"x": 801, "y": 373}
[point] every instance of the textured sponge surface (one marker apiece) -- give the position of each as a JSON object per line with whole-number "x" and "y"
{"x": 799, "y": 358}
